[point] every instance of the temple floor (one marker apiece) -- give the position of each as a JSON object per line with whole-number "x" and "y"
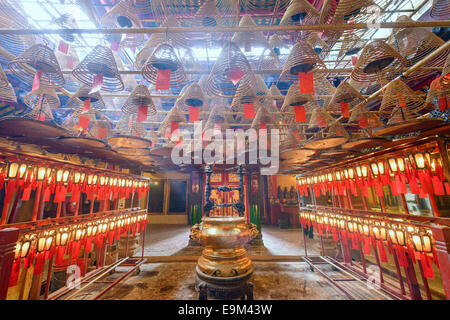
{"x": 171, "y": 271}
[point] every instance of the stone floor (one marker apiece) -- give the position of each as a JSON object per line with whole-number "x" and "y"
{"x": 175, "y": 280}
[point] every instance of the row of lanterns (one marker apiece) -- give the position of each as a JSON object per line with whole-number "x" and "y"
{"x": 400, "y": 238}
{"x": 39, "y": 246}
{"x": 417, "y": 167}
{"x": 59, "y": 181}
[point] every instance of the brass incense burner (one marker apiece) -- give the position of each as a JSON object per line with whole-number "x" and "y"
{"x": 224, "y": 269}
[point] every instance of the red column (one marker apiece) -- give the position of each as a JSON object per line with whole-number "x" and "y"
{"x": 442, "y": 237}
{"x": 8, "y": 240}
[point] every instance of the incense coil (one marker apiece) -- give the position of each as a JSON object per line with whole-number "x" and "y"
{"x": 164, "y": 57}
{"x": 268, "y": 60}
{"x": 414, "y": 44}
{"x": 123, "y": 15}
{"x": 82, "y": 95}
{"x": 216, "y": 117}
{"x": 101, "y": 121}
{"x": 139, "y": 97}
{"x": 38, "y": 58}
{"x": 7, "y": 95}
{"x": 244, "y": 94}
{"x": 69, "y": 61}
{"x": 208, "y": 15}
{"x": 378, "y": 60}
{"x": 251, "y": 5}
{"x": 438, "y": 95}
{"x": 300, "y": 12}
{"x": 230, "y": 59}
{"x": 278, "y": 46}
{"x": 128, "y": 126}
{"x": 175, "y": 39}
{"x": 99, "y": 61}
{"x": 319, "y": 113}
{"x": 332, "y": 136}
{"x": 66, "y": 21}
{"x": 72, "y": 121}
{"x": 440, "y": 9}
{"x": 400, "y": 115}
{"x": 398, "y": 93}
{"x": 302, "y": 58}
{"x": 319, "y": 45}
{"x": 295, "y": 98}
{"x": 361, "y": 111}
{"x": 41, "y": 101}
{"x": 174, "y": 115}
{"x": 351, "y": 44}
{"x": 263, "y": 115}
{"x": 323, "y": 89}
{"x": 260, "y": 87}
{"x": 4, "y": 83}
{"x": 192, "y": 96}
{"x": 344, "y": 93}
{"x": 246, "y": 39}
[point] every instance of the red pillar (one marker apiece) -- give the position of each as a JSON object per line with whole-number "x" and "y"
{"x": 8, "y": 240}
{"x": 442, "y": 237}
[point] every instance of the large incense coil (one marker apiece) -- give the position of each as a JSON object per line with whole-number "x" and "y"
{"x": 260, "y": 87}
{"x": 361, "y": 111}
{"x": 96, "y": 121}
{"x": 440, "y": 9}
{"x": 231, "y": 59}
{"x": 192, "y": 96}
{"x": 38, "y": 58}
{"x": 414, "y": 44}
{"x": 334, "y": 135}
{"x": 291, "y": 139}
{"x": 438, "y": 95}
{"x": 280, "y": 48}
{"x": 77, "y": 100}
{"x": 351, "y": 44}
{"x": 397, "y": 93}
{"x": 244, "y": 94}
{"x": 99, "y": 61}
{"x": 345, "y": 93}
{"x": 378, "y": 61}
{"x": 295, "y": 98}
{"x": 177, "y": 40}
{"x": 67, "y": 21}
{"x": 323, "y": 89}
{"x": 174, "y": 115}
{"x": 277, "y": 102}
{"x": 139, "y": 97}
{"x": 41, "y": 101}
{"x": 69, "y": 61}
{"x": 319, "y": 113}
{"x": 319, "y": 45}
{"x": 4, "y": 83}
{"x": 208, "y": 15}
{"x": 129, "y": 126}
{"x": 256, "y": 5}
{"x": 7, "y": 95}
{"x": 247, "y": 39}
{"x": 163, "y": 58}
{"x": 268, "y": 60}
{"x": 302, "y": 58}
{"x": 300, "y": 12}
{"x": 263, "y": 115}
{"x": 123, "y": 15}
{"x": 216, "y": 117}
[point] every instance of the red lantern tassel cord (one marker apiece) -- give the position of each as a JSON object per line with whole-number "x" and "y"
{"x": 15, "y": 271}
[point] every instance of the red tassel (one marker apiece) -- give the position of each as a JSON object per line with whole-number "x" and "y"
{"x": 344, "y": 109}
{"x": 37, "y": 80}
{"x": 173, "y": 127}
{"x": 426, "y": 266}
{"x": 382, "y": 250}
{"x": 87, "y": 105}
{"x": 306, "y": 82}
{"x": 15, "y": 271}
{"x": 354, "y": 60}
{"x": 163, "y": 79}
{"x": 249, "y": 110}
{"x": 262, "y": 126}
{"x": 366, "y": 246}
{"x": 63, "y": 47}
{"x": 83, "y": 122}
{"x": 300, "y": 115}
{"x": 443, "y": 103}
{"x": 363, "y": 122}
{"x": 26, "y": 193}
{"x": 142, "y": 113}
{"x": 97, "y": 83}
{"x": 193, "y": 113}
{"x": 235, "y": 75}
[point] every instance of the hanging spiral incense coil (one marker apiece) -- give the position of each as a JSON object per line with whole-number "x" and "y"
{"x": 323, "y": 90}
{"x": 398, "y": 94}
{"x": 192, "y": 96}
{"x": 163, "y": 58}
{"x": 300, "y": 12}
{"x": 320, "y": 118}
{"x": 351, "y": 44}
{"x": 345, "y": 93}
{"x": 216, "y": 118}
{"x": 247, "y": 39}
{"x": 440, "y": 9}
{"x": 319, "y": 45}
{"x": 230, "y": 61}
{"x": 360, "y": 112}
{"x": 208, "y": 15}
{"x": 377, "y": 61}
{"x": 99, "y": 61}
{"x": 96, "y": 121}
{"x": 268, "y": 60}
{"x": 302, "y": 58}
{"x": 38, "y": 58}
{"x": 295, "y": 98}
{"x": 3, "y": 80}
{"x": 438, "y": 95}
{"x": 177, "y": 40}
{"x": 68, "y": 62}
{"x": 414, "y": 44}
{"x": 123, "y": 15}
{"x": 332, "y": 136}
{"x": 263, "y": 115}
{"x": 128, "y": 126}
{"x": 66, "y": 21}
{"x": 400, "y": 115}
{"x": 139, "y": 97}
{"x": 76, "y": 101}
{"x": 174, "y": 115}
{"x": 41, "y": 101}
{"x": 7, "y": 95}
